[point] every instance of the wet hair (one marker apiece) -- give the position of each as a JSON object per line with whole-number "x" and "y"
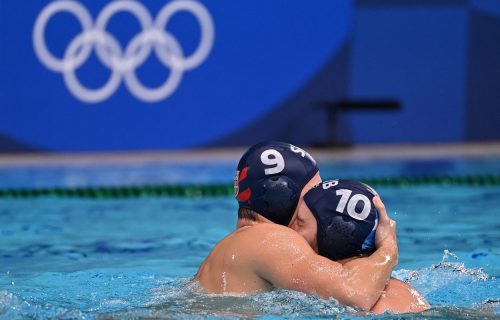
{"x": 245, "y": 213}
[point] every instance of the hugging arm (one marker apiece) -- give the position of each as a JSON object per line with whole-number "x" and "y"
{"x": 290, "y": 263}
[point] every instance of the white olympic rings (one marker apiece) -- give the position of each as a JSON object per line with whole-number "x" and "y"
{"x": 123, "y": 63}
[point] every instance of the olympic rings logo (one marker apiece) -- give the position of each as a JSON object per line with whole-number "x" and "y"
{"x": 123, "y": 63}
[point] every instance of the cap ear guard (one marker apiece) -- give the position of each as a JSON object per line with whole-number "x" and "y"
{"x": 339, "y": 233}
{"x": 278, "y": 199}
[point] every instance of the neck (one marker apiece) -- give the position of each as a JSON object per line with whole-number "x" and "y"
{"x": 245, "y": 223}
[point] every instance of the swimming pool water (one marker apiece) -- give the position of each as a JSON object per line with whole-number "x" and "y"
{"x": 131, "y": 258}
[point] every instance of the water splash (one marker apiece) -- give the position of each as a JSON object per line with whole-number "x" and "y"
{"x": 192, "y": 302}
{"x": 13, "y": 307}
{"x": 459, "y": 267}
{"x": 452, "y": 289}
{"x": 451, "y": 283}
{"x": 447, "y": 254}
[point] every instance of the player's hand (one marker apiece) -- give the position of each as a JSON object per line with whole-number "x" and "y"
{"x": 385, "y": 236}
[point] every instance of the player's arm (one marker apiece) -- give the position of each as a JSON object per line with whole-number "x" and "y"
{"x": 400, "y": 297}
{"x": 290, "y": 263}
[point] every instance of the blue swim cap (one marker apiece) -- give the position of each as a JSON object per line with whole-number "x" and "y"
{"x": 346, "y": 217}
{"x": 270, "y": 177}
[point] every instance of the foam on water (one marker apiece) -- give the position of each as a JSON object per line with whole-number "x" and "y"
{"x": 452, "y": 289}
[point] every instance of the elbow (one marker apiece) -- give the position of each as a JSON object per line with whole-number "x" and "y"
{"x": 363, "y": 302}
{"x": 367, "y": 305}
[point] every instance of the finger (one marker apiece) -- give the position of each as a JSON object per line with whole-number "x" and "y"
{"x": 379, "y": 205}
{"x": 393, "y": 224}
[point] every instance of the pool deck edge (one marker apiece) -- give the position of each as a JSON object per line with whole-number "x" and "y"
{"x": 232, "y": 155}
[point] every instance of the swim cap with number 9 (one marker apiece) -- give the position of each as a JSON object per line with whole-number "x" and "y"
{"x": 270, "y": 177}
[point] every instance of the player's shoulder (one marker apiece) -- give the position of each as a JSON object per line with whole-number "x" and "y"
{"x": 271, "y": 235}
{"x": 274, "y": 228}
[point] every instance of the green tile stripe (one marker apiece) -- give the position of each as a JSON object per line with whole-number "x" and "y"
{"x": 217, "y": 190}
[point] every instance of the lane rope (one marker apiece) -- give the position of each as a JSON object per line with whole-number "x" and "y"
{"x": 223, "y": 190}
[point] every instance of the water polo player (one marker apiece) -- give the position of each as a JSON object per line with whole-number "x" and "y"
{"x": 272, "y": 179}
{"x": 261, "y": 255}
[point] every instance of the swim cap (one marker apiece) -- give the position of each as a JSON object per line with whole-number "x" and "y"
{"x": 346, "y": 217}
{"x": 270, "y": 177}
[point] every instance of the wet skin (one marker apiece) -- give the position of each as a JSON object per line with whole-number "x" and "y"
{"x": 397, "y": 295}
{"x": 261, "y": 255}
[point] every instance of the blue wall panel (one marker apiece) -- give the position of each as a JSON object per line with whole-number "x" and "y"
{"x": 272, "y": 65}
{"x": 263, "y": 52}
{"x": 483, "y": 98}
{"x": 417, "y": 56}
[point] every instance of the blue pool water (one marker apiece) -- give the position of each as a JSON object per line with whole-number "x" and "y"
{"x": 132, "y": 258}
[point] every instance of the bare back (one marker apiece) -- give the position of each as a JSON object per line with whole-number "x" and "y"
{"x": 229, "y": 268}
